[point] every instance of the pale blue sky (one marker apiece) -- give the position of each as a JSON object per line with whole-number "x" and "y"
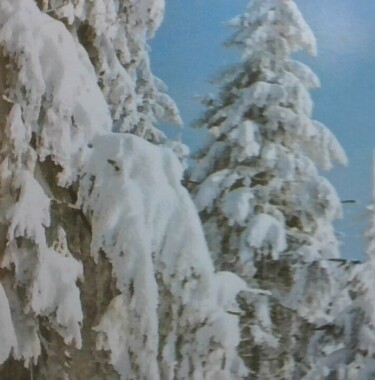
{"x": 187, "y": 51}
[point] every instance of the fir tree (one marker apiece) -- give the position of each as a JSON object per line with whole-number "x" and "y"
{"x": 105, "y": 273}
{"x": 114, "y": 35}
{"x": 266, "y": 210}
{"x": 345, "y": 348}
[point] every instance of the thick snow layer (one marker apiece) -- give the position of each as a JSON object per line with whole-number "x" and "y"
{"x": 7, "y": 334}
{"x": 211, "y": 189}
{"x": 30, "y": 215}
{"x": 323, "y": 147}
{"x": 265, "y": 232}
{"x": 64, "y": 104}
{"x": 258, "y": 20}
{"x": 119, "y": 30}
{"x": 142, "y": 219}
{"x": 49, "y": 274}
{"x": 245, "y": 135}
{"x": 236, "y": 205}
{"x": 145, "y": 222}
{"x": 229, "y": 286}
{"x": 54, "y": 292}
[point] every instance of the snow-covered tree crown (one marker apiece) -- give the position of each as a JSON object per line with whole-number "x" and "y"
{"x": 270, "y": 30}
{"x": 115, "y": 33}
{"x": 267, "y": 34}
{"x": 264, "y": 145}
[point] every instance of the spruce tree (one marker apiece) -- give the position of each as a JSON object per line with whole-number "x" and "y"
{"x": 104, "y": 270}
{"x": 266, "y": 210}
{"x": 115, "y": 35}
{"x": 345, "y": 348}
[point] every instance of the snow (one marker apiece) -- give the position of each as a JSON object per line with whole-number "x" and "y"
{"x": 331, "y": 151}
{"x": 27, "y": 346}
{"x": 137, "y": 99}
{"x": 170, "y": 303}
{"x": 308, "y": 78}
{"x": 7, "y": 334}
{"x": 145, "y": 223}
{"x": 236, "y": 205}
{"x": 229, "y": 286}
{"x": 245, "y": 136}
{"x": 54, "y": 291}
{"x": 49, "y": 272}
{"x": 210, "y": 190}
{"x": 55, "y": 97}
{"x": 113, "y": 332}
{"x": 172, "y": 316}
{"x": 59, "y": 81}
{"x": 267, "y": 212}
{"x": 266, "y": 232}
{"x": 30, "y": 215}
{"x": 142, "y": 218}
{"x": 259, "y": 20}
{"x": 52, "y": 275}
{"x": 263, "y": 93}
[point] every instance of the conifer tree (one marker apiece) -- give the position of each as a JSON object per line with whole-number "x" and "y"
{"x": 114, "y": 34}
{"x": 345, "y": 348}
{"x": 104, "y": 270}
{"x": 362, "y": 288}
{"x": 266, "y": 210}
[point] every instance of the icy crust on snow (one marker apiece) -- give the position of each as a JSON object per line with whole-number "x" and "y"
{"x": 53, "y": 81}
{"x": 116, "y": 34}
{"x": 49, "y": 273}
{"x": 144, "y": 221}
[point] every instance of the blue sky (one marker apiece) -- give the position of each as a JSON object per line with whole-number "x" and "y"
{"x": 187, "y": 51}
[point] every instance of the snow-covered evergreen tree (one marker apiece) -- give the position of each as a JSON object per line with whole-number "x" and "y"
{"x": 345, "y": 348}
{"x": 114, "y": 34}
{"x": 104, "y": 270}
{"x": 362, "y": 314}
{"x": 267, "y": 211}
